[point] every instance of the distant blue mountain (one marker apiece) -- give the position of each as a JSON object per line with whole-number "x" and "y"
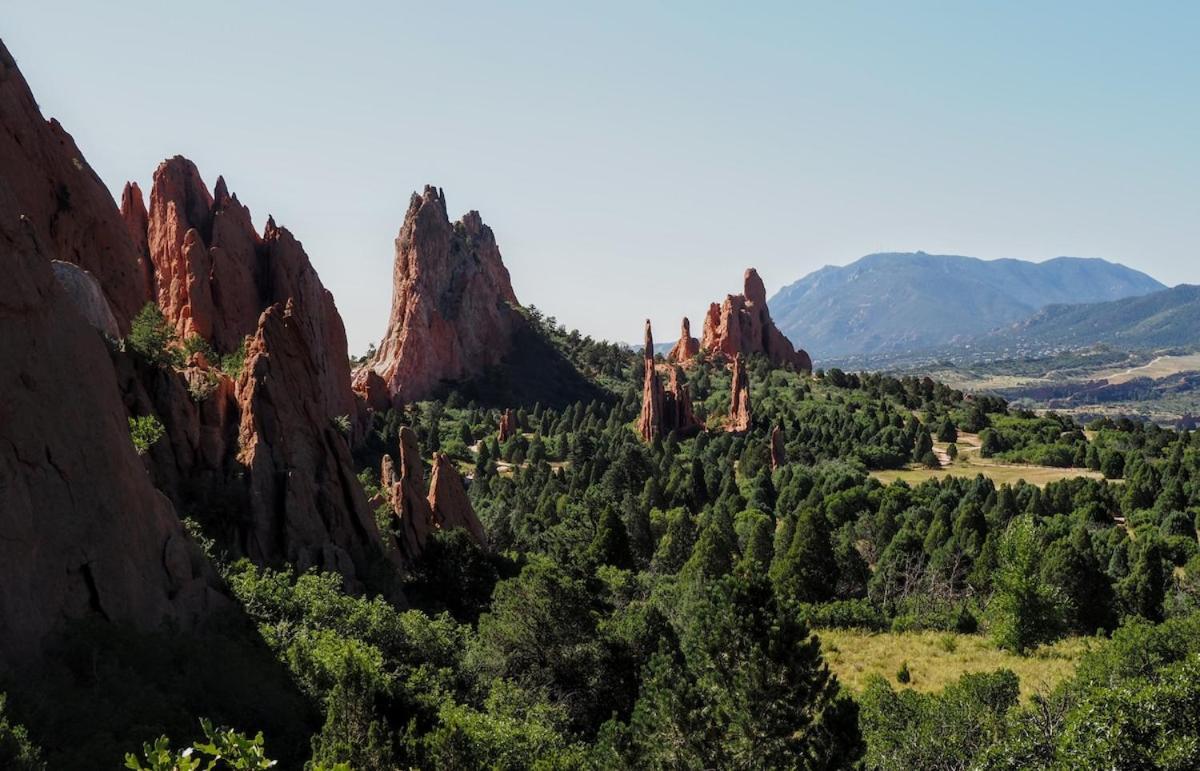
{"x": 900, "y": 301}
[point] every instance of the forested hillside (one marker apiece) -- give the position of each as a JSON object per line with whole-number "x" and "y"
{"x": 654, "y": 605}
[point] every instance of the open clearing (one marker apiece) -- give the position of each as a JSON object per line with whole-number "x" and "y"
{"x": 936, "y": 659}
{"x": 970, "y": 465}
{"x": 1162, "y": 366}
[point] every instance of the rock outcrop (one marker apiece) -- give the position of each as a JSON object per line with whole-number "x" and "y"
{"x": 453, "y": 307}
{"x": 739, "y": 401}
{"x": 664, "y": 410}
{"x": 449, "y": 502}
{"x": 417, "y": 513}
{"x": 686, "y": 347}
{"x": 778, "y": 453}
{"x": 263, "y": 459}
{"x": 83, "y": 532}
{"x": 305, "y": 505}
{"x": 742, "y": 325}
{"x": 68, "y": 212}
{"x": 508, "y": 426}
{"x": 413, "y": 517}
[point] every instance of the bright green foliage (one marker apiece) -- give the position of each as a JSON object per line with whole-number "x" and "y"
{"x": 907, "y": 730}
{"x": 151, "y": 337}
{"x": 1025, "y": 609}
{"x": 222, "y": 748}
{"x": 145, "y": 431}
{"x": 807, "y": 571}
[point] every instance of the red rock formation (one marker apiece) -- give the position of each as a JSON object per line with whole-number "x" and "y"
{"x": 418, "y": 513}
{"x": 452, "y": 302}
{"x": 687, "y": 346}
{"x": 651, "y": 419}
{"x": 268, "y": 445}
{"x": 137, "y": 223}
{"x": 778, "y": 453}
{"x": 83, "y": 532}
{"x": 68, "y": 211}
{"x": 739, "y": 402}
{"x": 742, "y": 324}
{"x": 664, "y": 411}
{"x": 508, "y": 426}
{"x": 410, "y": 504}
{"x": 678, "y": 414}
{"x": 449, "y": 502}
{"x": 305, "y": 505}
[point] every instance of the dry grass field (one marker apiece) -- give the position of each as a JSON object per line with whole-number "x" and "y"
{"x": 970, "y": 465}
{"x": 936, "y": 659}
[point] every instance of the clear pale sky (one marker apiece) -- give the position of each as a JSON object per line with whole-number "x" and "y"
{"x": 634, "y": 158}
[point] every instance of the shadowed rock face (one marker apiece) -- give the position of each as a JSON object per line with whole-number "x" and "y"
{"x": 449, "y": 502}
{"x": 69, "y": 213}
{"x": 87, "y": 296}
{"x": 453, "y": 304}
{"x": 84, "y": 532}
{"x": 739, "y": 402}
{"x": 742, "y": 325}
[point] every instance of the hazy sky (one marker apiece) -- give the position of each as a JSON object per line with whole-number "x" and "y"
{"x": 634, "y": 158}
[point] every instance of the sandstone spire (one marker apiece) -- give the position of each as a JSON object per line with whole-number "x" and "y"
{"x": 739, "y": 402}
{"x": 449, "y": 502}
{"x": 742, "y": 324}
{"x": 778, "y": 453}
{"x": 651, "y": 418}
{"x": 686, "y": 347}
{"x": 508, "y": 426}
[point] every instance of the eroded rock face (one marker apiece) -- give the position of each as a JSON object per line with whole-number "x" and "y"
{"x": 83, "y": 532}
{"x": 664, "y": 410}
{"x": 742, "y": 325}
{"x": 449, "y": 502}
{"x": 452, "y": 302}
{"x": 686, "y": 347}
{"x": 739, "y": 402}
{"x": 778, "y": 453}
{"x": 69, "y": 213}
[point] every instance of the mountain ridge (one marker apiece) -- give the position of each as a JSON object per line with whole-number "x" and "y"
{"x": 892, "y": 301}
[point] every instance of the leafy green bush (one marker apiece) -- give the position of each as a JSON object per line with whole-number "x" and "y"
{"x": 145, "y": 431}
{"x": 151, "y": 337}
{"x": 17, "y": 752}
{"x": 223, "y": 748}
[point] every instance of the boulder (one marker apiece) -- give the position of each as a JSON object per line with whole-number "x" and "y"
{"x": 89, "y": 299}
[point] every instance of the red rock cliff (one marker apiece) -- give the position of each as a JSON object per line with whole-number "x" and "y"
{"x": 739, "y": 401}
{"x": 84, "y": 533}
{"x": 663, "y": 410}
{"x": 452, "y": 302}
{"x": 69, "y": 212}
{"x": 742, "y": 324}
